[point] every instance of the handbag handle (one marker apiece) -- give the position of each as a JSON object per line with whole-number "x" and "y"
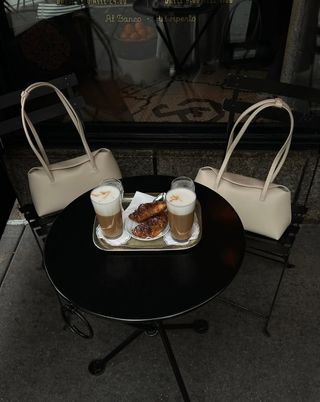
{"x": 27, "y": 124}
{"x": 281, "y": 155}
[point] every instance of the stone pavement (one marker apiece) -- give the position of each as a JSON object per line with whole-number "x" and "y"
{"x": 40, "y": 360}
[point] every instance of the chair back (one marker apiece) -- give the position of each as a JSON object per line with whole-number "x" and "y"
{"x": 16, "y": 156}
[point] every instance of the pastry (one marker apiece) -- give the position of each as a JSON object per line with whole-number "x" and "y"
{"x": 147, "y": 210}
{"x": 152, "y": 227}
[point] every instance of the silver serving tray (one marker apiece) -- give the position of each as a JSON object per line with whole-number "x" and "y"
{"x": 140, "y": 245}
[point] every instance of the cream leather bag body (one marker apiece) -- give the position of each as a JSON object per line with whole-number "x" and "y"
{"x": 54, "y": 186}
{"x": 264, "y": 207}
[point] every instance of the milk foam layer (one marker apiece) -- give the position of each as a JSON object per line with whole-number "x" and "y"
{"x": 106, "y": 200}
{"x": 181, "y": 201}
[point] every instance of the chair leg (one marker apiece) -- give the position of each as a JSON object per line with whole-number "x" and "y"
{"x": 266, "y": 327}
{"x": 69, "y": 313}
{"x": 285, "y": 264}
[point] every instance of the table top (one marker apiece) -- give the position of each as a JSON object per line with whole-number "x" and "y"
{"x": 139, "y": 286}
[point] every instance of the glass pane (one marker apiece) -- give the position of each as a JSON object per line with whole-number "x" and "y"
{"x": 162, "y": 60}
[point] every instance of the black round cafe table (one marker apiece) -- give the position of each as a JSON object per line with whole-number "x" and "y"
{"x": 144, "y": 288}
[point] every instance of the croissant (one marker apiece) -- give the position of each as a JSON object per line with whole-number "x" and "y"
{"x": 147, "y": 210}
{"x": 152, "y": 227}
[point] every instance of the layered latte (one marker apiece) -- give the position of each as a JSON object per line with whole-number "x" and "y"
{"x": 106, "y": 201}
{"x": 181, "y": 203}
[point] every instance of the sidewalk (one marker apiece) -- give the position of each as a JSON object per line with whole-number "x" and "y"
{"x": 234, "y": 362}
{"x": 10, "y": 239}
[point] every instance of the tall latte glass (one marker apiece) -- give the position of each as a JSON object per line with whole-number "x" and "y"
{"x": 181, "y": 202}
{"x": 183, "y": 182}
{"x": 107, "y": 203}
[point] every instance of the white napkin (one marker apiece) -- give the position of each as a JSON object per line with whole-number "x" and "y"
{"x": 194, "y": 234}
{"x": 138, "y": 198}
{"x": 123, "y": 239}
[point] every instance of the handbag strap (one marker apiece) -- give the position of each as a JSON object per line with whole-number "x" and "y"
{"x": 282, "y": 153}
{"x": 28, "y": 125}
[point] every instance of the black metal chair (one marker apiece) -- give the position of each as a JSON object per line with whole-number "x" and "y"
{"x": 275, "y": 250}
{"x": 10, "y": 123}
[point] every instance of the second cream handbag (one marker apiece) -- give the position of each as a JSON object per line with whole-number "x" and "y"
{"x": 264, "y": 207}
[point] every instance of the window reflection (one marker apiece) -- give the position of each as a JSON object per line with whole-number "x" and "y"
{"x": 128, "y": 70}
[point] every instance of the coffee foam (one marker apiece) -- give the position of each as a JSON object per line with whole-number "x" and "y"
{"x": 105, "y": 200}
{"x": 181, "y": 201}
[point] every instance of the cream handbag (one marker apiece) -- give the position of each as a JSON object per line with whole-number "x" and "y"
{"x": 264, "y": 207}
{"x": 54, "y": 186}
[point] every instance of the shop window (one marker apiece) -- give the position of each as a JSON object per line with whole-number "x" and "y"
{"x": 128, "y": 73}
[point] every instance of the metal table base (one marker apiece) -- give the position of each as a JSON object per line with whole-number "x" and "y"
{"x": 97, "y": 366}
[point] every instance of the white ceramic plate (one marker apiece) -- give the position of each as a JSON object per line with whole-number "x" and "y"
{"x": 130, "y": 225}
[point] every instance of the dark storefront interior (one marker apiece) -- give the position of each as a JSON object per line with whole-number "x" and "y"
{"x": 124, "y": 68}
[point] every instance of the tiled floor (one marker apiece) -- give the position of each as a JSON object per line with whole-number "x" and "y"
{"x": 234, "y": 361}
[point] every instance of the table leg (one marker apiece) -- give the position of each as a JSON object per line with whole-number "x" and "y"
{"x": 98, "y": 366}
{"x": 173, "y": 361}
{"x": 200, "y": 326}
{"x": 165, "y": 36}
{"x": 197, "y": 39}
